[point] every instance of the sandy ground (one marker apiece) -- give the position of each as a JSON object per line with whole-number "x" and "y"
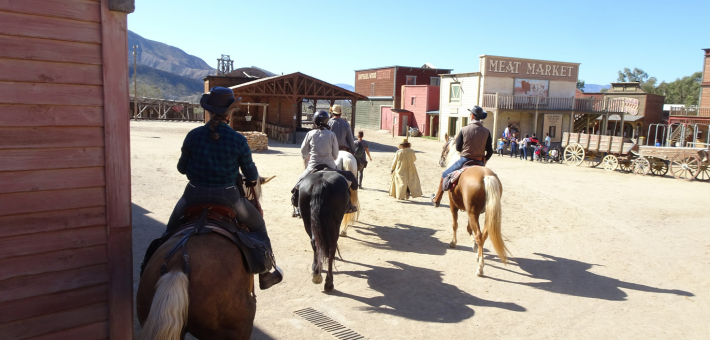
{"x": 595, "y": 254}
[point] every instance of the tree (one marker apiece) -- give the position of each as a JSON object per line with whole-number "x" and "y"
{"x": 637, "y": 75}
{"x": 684, "y": 90}
{"x": 580, "y": 85}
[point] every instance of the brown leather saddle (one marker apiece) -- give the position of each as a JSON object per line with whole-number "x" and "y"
{"x": 222, "y": 220}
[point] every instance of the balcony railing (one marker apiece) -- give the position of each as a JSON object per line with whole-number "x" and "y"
{"x": 690, "y": 111}
{"x": 509, "y": 102}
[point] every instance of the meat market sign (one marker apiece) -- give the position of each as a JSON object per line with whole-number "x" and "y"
{"x": 539, "y": 69}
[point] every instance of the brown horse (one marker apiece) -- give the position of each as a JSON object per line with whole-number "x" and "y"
{"x": 479, "y": 190}
{"x": 216, "y": 302}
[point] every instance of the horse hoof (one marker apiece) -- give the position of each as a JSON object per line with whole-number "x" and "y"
{"x": 317, "y": 278}
{"x": 480, "y": 273}
{"x": 342, "y": 233}
{"x": 452, "y": 245}
{"x": 329, "y": 286}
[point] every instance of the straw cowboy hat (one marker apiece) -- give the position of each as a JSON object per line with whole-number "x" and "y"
{"x": 218, "y": 100}
{"x": 336, "y": 110}
{"x": 405, "y": 143}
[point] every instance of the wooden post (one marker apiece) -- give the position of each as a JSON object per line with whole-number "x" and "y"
{"x": 294, "y": 110}
{"x": 352, "y": 115}
{"x": 263, "y": 119}
{"x": 495, "y": 127}
{"x": 431, "y": 126}
{"x": 537, "y": 102}
{"x": 588, "y": 124}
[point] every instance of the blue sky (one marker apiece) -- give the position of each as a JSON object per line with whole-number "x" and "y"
{"x": 331, "y": 39}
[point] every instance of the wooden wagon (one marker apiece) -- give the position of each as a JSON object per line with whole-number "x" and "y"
{"x": 684, "y": 163}
{"x": 608, "y": 151}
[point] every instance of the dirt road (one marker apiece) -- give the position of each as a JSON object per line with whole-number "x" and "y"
{"x": 595, "y": 254}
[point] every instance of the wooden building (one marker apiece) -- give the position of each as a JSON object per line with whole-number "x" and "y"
{"x": 383, "y": 88}
{"x": 65, "y": 184}
{"x": 275, "y": 105}
{"x": 421, "y": 101}
{"x": 696, "y": 114}
{"x": 530, "y": 96}
{"x": 236, "y": 77}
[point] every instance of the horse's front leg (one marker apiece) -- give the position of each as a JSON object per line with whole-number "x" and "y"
{"x": 316, "y": 270}
{"x": 455, "y": 216}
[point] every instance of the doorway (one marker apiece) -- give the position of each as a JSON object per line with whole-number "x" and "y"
{"x": 386, "y": 118}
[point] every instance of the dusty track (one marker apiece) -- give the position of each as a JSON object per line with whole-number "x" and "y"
{"x": 595, "y": 254}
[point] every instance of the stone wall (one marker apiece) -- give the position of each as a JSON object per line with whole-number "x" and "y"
{"x": 257, "y": 141}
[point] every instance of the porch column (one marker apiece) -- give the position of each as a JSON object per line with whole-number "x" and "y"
{"x": 621, "y": 133}
{"x": 537, "y": 102}
{"x": 431, "y": 125}
{"x": 294, "y": 110}
{"x": 352, "y": 115}
{"x": 263, "y": 119}
{"x": 587, "y": 124}
{"x": 495, "y": 129}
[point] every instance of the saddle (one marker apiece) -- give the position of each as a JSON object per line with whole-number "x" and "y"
{"x": 322, "y": 167}
{"x": 213, "y": 218}
{"x": 452, "y": 179}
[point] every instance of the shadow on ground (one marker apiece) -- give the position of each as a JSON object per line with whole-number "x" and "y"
{"x": 418, "y": 294}
{"x": 571, "y": 277}
{"x": 403, "y": 238}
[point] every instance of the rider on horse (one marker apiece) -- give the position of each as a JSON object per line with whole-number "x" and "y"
{"x": 212, "y": 155}
{"x": 342, "y": 130}
{"x": 475, "y": 145}
{"x": 320, "y": 150}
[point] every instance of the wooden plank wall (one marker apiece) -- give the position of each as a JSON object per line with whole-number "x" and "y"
{"x": 58, "y": 139}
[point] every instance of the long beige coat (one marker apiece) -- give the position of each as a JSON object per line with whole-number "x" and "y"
{"x": 405, "y": 175}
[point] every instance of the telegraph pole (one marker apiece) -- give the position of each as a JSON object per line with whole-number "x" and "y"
{"x": 135, "y": 84}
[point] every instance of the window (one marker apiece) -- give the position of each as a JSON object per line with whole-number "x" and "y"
{"x": 455, "y": 93}
{"x": 464, "y": 121}
{"x": 372, "y": 90}
{"x": 552, "y": 131}
{"x": 453, "y": 122}
{"x": 434, "y": 81}
{"x": 414, "y": 101}
{"x": 411, "y": 80}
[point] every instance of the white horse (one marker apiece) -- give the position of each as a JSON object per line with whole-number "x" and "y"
{"x": 347, "y": 162}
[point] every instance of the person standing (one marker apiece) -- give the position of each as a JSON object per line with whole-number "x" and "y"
{"x": 514, "y": 145}
{"x": 547, "y": 140}
{"x": 405, "y": 180}
{"x": 501, "y": 145}
{"x": 524, "y": 147}
{"x": 361, "y": 149}
{"x": 341, "y": 128}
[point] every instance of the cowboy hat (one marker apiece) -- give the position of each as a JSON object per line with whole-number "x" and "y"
{"x": 218, "y": 101}
{"x": 478, "y": 113}
{"x": 336, "y": 110}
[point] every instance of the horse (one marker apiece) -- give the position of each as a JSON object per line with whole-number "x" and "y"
{"x": 323, "y": 201}
{"x": 172, "y": 304}
{"x": 346, "y": 161}
{"x": 478, "y": 190}
{"x": 448, "y": 153}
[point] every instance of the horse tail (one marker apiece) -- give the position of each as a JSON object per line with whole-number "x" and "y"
{"x": 168, "y": 312}
{"x": 493, "y": 215}
{"x": 351, "y": 217}
{"x": 323, "y": 226}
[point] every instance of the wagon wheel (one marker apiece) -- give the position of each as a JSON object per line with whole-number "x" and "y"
{"x": 684, "y": 166}
{"x": 574, "y": 154}
{"x": 704, "y": 174}
{"x": 610, "y": 163}
{"x": 642, "y": 166}
{"x": 626, "y": 165}
{"x": 659, "y": 168}
{"x": 592, "y": 159}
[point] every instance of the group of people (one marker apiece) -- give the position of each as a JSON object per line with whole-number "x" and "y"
{"x": 213, "y": 154}
{"x": 523, "y": 146}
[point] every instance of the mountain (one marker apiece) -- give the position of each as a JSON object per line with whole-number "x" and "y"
{"x": 167, "y": 58}
{"x": 347, "y": 87}
{"x": 154, "y": 83}
{"x": 595, "y": 88}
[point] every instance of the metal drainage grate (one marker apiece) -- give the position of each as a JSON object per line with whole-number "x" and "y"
{"x": 327, "y": 324}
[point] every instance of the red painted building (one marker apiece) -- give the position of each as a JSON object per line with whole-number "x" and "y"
{"x": 420, "y": 99}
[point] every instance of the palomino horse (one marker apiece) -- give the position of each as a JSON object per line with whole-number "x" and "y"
{"x": 478, "y": 191}
{"x": 346, "y": 161}
{"x": 323, "y": 201}
{"x": 215, "y": 302}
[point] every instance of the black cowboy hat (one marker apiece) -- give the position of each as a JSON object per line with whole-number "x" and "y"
{"x": 478, "y": 112}
{"x": 218, "y": 100}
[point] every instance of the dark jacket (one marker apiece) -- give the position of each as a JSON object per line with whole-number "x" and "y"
{"x": 474, "y": 141}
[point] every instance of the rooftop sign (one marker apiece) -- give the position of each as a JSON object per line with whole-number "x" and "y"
{"x": 492, "y": 66}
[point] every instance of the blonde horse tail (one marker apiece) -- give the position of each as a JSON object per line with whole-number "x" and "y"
{"x": 493, "y": 215}
{"x": 168, "y": 312}
{"x": 352, "y": 217}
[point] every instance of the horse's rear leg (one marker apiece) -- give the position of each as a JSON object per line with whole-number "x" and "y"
{"x": 455, "y": 216}
{"x": 329, "y": 277}
{"x": 477, "y": 238}
{"x": 317, "y": 277}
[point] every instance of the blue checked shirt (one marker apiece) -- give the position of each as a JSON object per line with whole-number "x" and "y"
{"x": 216, "y": 163}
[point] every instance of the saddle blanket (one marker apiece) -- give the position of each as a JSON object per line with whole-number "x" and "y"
{"x": 452, "y": 179}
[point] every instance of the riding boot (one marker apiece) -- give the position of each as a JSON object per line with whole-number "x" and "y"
{"x": 269, "y": 279}
{"x": 439, "y": 194}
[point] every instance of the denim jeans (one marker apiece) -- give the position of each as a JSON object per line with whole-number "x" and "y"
{"x": 457, "y": 165}
{"x": 514, "y": 150}
{"x": 524, "y": 152}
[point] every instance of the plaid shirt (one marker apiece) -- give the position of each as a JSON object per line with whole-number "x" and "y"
{"x": 216, "y": 163}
